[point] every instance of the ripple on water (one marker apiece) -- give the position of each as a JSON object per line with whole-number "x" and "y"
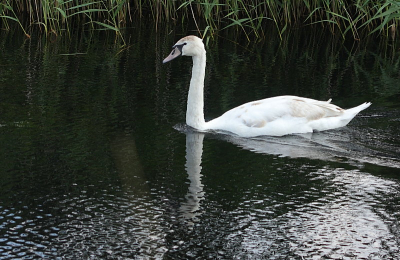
{"x": 85, "y": 228}
{"x": 343, "y": 220}
{"x": 340, "y": 214}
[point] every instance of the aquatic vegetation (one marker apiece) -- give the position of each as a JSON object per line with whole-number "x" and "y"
{"x": 356, "y": 19}
{"x": 58, "y": 17}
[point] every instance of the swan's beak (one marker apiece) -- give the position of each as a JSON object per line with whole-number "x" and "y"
{"x": 175, "y": 53}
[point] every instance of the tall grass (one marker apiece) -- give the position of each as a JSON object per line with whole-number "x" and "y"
{"x": 356, "y": 19}
{"x": 58, "y": 17}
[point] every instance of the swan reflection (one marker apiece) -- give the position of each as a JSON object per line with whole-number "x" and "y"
{"x": 339, "y": 216}
{"x": 336, "y": 146}
{"x": 194, "y": 150}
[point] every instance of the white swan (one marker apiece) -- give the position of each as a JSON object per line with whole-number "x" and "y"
{"x": 275, "y": 116}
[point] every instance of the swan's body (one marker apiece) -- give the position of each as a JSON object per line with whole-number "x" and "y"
{"x": 271, "y": 116}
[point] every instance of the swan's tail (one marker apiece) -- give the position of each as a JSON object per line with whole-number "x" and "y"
{"x": 352, "y": 112}
{"x": 355, "y": 110}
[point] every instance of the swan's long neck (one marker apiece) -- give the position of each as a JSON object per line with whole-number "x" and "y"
{"x": 195, "y": 103}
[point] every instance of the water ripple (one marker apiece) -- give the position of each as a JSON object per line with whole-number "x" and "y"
{"x": 340, "y": 213}
{"x": 345, "y": 219}
{"x": 84, "y": 227}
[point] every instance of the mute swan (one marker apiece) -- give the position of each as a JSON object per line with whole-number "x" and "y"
{"x": 274, "y": 116}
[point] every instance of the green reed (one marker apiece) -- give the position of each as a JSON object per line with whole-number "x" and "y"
{"x": 59, "y": 16}
{"x": 356, "y": 19}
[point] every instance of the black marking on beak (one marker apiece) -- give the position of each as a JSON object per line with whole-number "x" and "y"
{"x": 175, "y": 53}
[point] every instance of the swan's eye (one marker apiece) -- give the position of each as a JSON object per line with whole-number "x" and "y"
{"x": 179, "y": 45}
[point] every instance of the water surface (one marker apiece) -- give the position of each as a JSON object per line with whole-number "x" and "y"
{"x": 96, "y": 161}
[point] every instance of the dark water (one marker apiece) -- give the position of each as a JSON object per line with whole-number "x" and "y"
{"x": 96, "y": 162}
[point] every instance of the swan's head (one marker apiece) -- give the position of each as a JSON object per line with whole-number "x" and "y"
{"x": 187, "y": 46}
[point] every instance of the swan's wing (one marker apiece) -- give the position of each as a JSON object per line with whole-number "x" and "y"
{"x": 313, "y": 109}
{"x": 259, "y": 113}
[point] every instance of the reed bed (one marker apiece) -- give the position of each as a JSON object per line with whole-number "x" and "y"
{"x": 357, "y": 19}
